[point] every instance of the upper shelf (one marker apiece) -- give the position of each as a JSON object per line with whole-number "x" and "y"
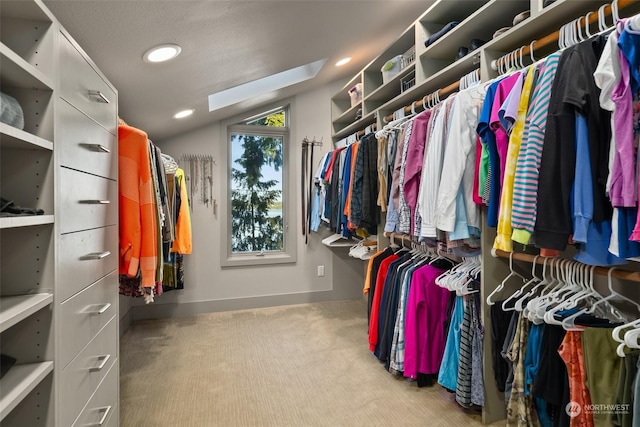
{"x": 390, "y": 88}
{"x": 550, "y": 19}
{"x": 16, "y": 72}
{"x": 27, "y": 10}
{"x": 481, "y": 25}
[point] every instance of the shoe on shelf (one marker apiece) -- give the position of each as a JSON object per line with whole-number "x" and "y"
{"x": 462, "y": 52}
{"x": 9, "y": 208}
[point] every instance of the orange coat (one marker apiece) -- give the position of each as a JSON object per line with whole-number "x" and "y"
{"x": 138, "y": 211}
{"x": 182, "y": 244}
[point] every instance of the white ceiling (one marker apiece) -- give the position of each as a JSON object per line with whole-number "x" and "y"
{"x": 224, "y": 44}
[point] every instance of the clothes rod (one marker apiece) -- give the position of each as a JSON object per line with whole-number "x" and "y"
{"x": 363, "y": 131}
{"x": 555, "y": 36}
{"x": 442, "y": 94}
{"x": 632, "y": 276}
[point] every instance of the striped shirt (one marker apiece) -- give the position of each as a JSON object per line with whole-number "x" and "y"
{"x": 404, "y": 212}
{"x": 503, "y": 237}
{"x": 525, "y": 189}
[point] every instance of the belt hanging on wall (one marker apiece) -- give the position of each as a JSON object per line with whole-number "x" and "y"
{"x": 306, "y": 187}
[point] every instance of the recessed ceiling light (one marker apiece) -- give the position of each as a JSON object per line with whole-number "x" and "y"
{"x": 184, "y": 113}
{"x": 162, "y": 53}
{"x": 343, "y": 61}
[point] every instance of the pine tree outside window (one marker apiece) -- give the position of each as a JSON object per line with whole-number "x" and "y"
{"x": 258, "y": 191}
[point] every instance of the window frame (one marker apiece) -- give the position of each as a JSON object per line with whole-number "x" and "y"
{"x": 288, "y": 253}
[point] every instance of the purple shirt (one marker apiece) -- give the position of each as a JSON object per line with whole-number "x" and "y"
{"x": 505, "y": 87}
{"x": 623, "y": 173}
{"x": 415, "y": 158}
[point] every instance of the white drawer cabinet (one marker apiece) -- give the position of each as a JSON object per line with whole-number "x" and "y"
{"x": 59, "y": 280}
{"x": 88, "y": 201}
{"x": 83, "y": 375}
{"x": 82, "y": 87}
{"x": 85, "y": 146}
{"x": 85, "y": 257}
{"x": 103, "y": 405}
{"x": 85, "y": 314}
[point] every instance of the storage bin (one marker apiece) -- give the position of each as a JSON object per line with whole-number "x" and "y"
{"x": 391, "y": 68}
{"x": 408, "y": 57}
{"x": 355, "y": 93}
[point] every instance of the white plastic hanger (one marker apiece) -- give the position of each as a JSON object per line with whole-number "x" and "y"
{"x": 586, "y": 25}
{"x": 519, "y": 292}
{"x": 500, "y": 287}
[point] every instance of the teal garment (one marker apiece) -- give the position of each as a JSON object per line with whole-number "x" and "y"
{"x": 448, "y": 374}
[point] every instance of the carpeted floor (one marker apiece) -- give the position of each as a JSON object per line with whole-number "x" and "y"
{"x": 302, "y": 365}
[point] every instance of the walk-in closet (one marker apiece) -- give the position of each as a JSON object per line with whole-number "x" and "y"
{"x": 319, "y": 213}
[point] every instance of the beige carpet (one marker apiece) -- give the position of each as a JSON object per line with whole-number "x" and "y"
{"x": 302, "y": 365}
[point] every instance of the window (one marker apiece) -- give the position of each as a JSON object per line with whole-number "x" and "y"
{"x": 258, "y": 219}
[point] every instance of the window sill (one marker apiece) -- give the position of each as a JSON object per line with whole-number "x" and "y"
{"x": 255, "y": 259}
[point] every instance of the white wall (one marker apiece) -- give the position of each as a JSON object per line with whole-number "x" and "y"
{"x": 208, "y": 287}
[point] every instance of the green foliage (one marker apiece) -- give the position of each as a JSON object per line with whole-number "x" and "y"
{"x": 252, "y": 229}
{"x": 273, "y": 120}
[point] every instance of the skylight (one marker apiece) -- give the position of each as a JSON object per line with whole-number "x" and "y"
{"x": 264, "y": 85}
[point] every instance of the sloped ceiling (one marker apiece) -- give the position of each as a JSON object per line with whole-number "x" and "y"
{"x": 224, "y": 44}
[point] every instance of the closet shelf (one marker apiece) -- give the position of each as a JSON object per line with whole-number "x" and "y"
{"x": 549, "y": 19}
{"x": 435, "y": 82}
{"x": 14, "y": 309}
{"x": 349, "y": 115}
{"x": 344, "y": 92}
{"x": 25, "y": 221}
{"x": 356, "y": 126}
{"x": 388, "y": 89}
{"x": 19, "y": 382}
{"x": 480, "y": 25}
{"x": 11, "y": 137}
{"x": 16, "y": 72}
{"x": 28, "y": 11}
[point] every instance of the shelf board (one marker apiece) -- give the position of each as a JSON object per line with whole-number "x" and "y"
{"x": 344, "y": 92}
{"x": 392, "y": 86}
{"x": 349, "y": 115}
{"x": 356, "y": 126}
{"x": 442, "y": 11}
{"x": 19, "y": 382}
{"x": 11, "y": 137}
{"x": 441, "y": 79}
{"x": 399, "y": 47}
{"x": 14, "y": 309}
{"x": 16, "y": 72}
{"x": 25, "y": 221}
{"x": 481, "y": 25}
{"x": 550, "y": 19}
{"x": 27, "y": 10}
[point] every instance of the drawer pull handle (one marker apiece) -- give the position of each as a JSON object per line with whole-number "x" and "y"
{"x": 102, "y": 364}
{"x": 97, "y": 255}
{"x": 95, "y": 202}
{"x": 103, "y": 308}
{"x": 96, "y": 147}
{"x": 107, "y": 410}
{"x": 100, "y": 96}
